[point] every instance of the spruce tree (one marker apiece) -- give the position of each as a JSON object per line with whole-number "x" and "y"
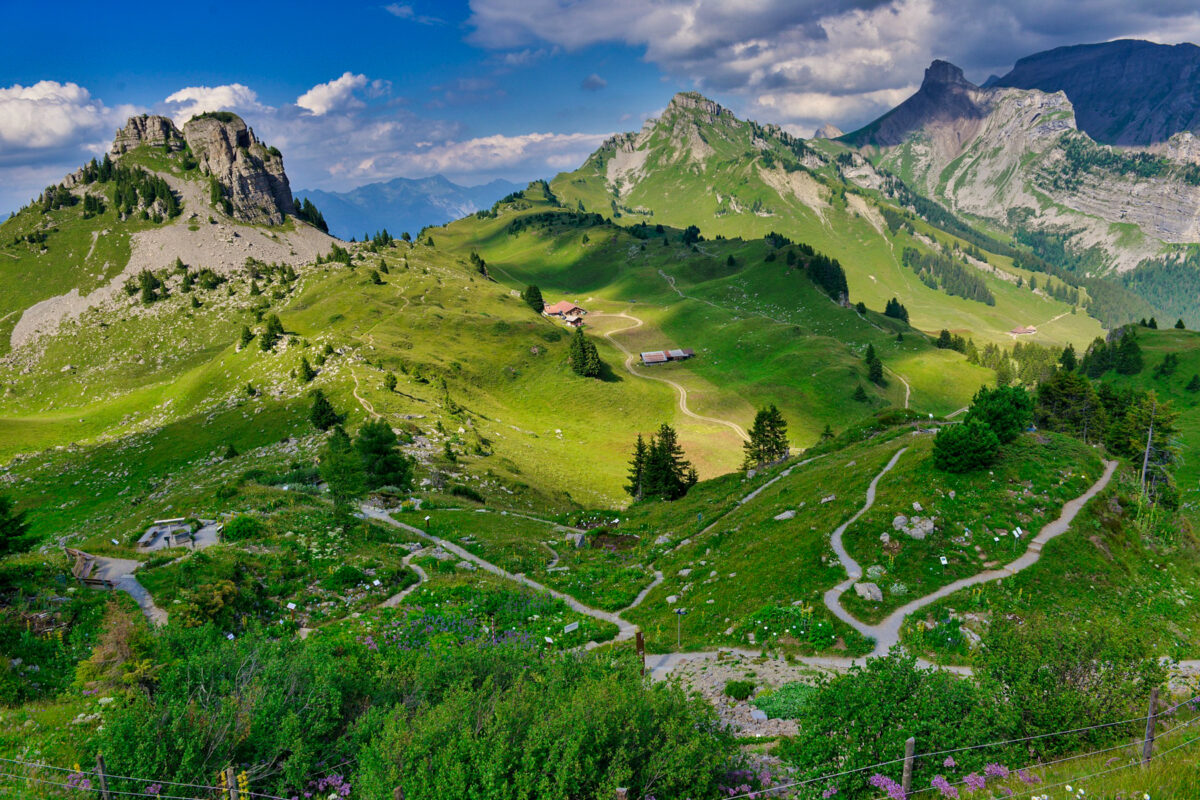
{"x": 1194, "y": 384}
{"x": 860, "y": 394}
{"x": 874, "y": 366}
{"x": 383, "y": 463}
{"x": 271, "y": 333}
{"x": 375, "y": 279}
{"x": 389, "y": 382}
{"x": 307, "y": 373}
{"x": 1067, "y": 359}
{"x": 583, "y": 356}
{"x": 342, "y": 470}
{"x": 14, "y": 529}
{"x": 533, "y": 298}
{"x": 637, "y": 470}
{"x": 1179, "y": 324}
{"x": 1129, "y": 355}
{"x": 323, "y": 415}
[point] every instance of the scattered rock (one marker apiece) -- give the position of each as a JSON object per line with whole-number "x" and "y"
{"x": 917, "y": 506}
{"x": 868, "y": 591}
{"x": 789, "y": 514}
{"x": 758, "y": 714}
{"x": 899, "y": 522}
{"x": 884, "y": 537}
{"x": 672, "y": 599}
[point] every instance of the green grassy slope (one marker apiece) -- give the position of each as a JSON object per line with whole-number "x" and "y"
{"x": 736, "y": 180}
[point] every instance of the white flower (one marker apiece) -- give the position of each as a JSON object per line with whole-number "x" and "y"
{"x": 1069, "y": 787}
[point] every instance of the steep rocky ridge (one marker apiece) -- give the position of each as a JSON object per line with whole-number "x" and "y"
{"x": 1125, "y": 92}
{"x": 150, "y": 130}
{"x": 1014, "y": 155}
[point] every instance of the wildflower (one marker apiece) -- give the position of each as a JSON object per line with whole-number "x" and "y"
{"x": 943, "y": 786}
{"x": 949, "y": 763}
{"x": 830, "y": 792}
{"x": 1028, "y": 777}
{"x": 995, "y": 771}
{"x": 153, "y": 789}
{"x": 975, "y": 781}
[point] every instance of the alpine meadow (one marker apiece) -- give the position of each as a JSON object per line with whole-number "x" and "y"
{"x": 830, "y": 432}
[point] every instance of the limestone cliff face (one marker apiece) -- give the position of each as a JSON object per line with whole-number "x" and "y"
{"x": 251, "y": 173}
{"x": 1125, "y": 92}
{"x": 150, "y": 130}
{"x": 1008, "y": 154}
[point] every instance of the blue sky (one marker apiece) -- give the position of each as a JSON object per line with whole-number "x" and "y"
{"x": 358, "y": 92}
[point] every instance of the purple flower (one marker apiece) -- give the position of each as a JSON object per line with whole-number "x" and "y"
{"x": 949, "y": 763}
{"x": 153, "y": 789}
{"x": 830, "y": 792}
{"x": 943, "y": 786}
{"x": 975, "y": 782}
{"x": 894, "y": 790}
{"x": 994, "y": 770}
{"x": 1028, "y": 777}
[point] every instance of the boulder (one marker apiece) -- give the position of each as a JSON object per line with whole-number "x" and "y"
{"x": 868, "y": 591}
{"x": 576, "y": 539}
{"x": 899, "y": 522}
{"x": 789, "y": 514}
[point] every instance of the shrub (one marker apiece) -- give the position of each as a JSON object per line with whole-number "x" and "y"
{"x": 1007, "y": 410}
{"x": 344, "y": 577}
{"x": 786, "y": 702}
{"x": 466, "y": 492}
{"x": 962, "y": 448}
{"x": 243, "y": 527}
{"x": 739, "y": 690}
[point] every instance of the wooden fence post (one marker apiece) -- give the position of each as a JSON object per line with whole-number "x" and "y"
{"x": 1148, "y": 744}
{"x": 622, "y": 794}
{"x": 101, "y": 777}
{"x": 231, "y": 783}
{"x": 910, "y": 749}
{"x": 398, "y": 793}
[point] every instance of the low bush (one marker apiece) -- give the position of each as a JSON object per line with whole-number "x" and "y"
{"x": 739, "y": 690}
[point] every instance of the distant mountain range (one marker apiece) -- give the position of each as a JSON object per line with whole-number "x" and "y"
{"x": 403, "y": 204}
{"x": 1127, "y": 92}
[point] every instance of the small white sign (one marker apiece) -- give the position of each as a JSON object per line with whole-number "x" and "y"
{"x": 574, "y": 626}
{"x": 375, "y": 582}
{"x": 229, "y": 636}
{"x": 549, "y": 640}
{"x": 114, "y": 541}
{"x": 944, "y": 561}
{"x": 291, "y": 606}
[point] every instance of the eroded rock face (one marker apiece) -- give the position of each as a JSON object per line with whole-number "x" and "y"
{"x": 151, "y": 130}
{"x": 251, "y": 174}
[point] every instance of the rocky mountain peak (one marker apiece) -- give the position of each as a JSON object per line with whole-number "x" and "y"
{"x": 828, "y": 131}
{"x": 150, "y": 130}
{"x": 695, "y": 104}
{"x": 250, "y": 173}
{"x": 942, "y": 73}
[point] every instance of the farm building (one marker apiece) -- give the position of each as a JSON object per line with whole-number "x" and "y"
{"x": 573, "y": 322}
{"x": 663, "y": 356}
{"x": 1023, "y": 330}
{"x": 563, "y": 308}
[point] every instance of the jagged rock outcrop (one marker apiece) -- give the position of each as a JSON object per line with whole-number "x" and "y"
{"x": 1125, "y": 92}
{"x": 946, "y": 99}
{"x": 828, "y": 131}
{"x": 250, "y": 172}
{"x": 147, "y": 129}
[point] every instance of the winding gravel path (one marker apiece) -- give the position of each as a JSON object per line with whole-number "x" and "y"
{"x": 630, "y": 357}
{"x": 887, "y": 632}
{"x": 625, "y": 630}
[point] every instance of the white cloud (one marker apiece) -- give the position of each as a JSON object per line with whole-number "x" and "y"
{"x": 49, "y": 114}
{"x": 336, "y": 94}
{"x": 843, "y": 57}
{"x": 193, "y": 100}
{"x": 593, "y": 83}
{"x": 406, "y": 11}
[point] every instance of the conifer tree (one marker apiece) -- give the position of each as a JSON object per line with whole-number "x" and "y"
{"x": 666, "y": 475}
{"x": 768, "y": 438}
{"x": 874, "y": 366}
{"x": 375, "y": 279}
{"x": 637, "y": 470}
{"x": 533, "y": 298}
{"x": 583, "y": 356}
{"x": 1179, "y": 324}
{"x": 307, "y": 373}
{"x": 342, "y": 470}
{"x": 246, "y": 336}
{"x": 860, "y": 394}
{"x": 271, "y": 333}
{"x": 1067, "y": 359}
{"x": 1194, "y": 384}
{"x": 383, "y": 463}
{"x": 323, "y": 415}
{"x": 389, "y": 382}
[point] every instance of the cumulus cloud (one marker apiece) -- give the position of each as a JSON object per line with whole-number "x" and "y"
{"x": 335, "y": 94}
{"x": 593, "y": 83}
{"x": 47, "y": 130}
{"x": 847, "y": 59}
{"x": 49, "y": 115}
{"x": 192, "y": 100}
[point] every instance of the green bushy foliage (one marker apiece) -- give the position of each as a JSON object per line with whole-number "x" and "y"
{"x": 966, "y": 447}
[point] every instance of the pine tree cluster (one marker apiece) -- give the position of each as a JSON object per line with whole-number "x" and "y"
{"x": 658, "y": 469}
